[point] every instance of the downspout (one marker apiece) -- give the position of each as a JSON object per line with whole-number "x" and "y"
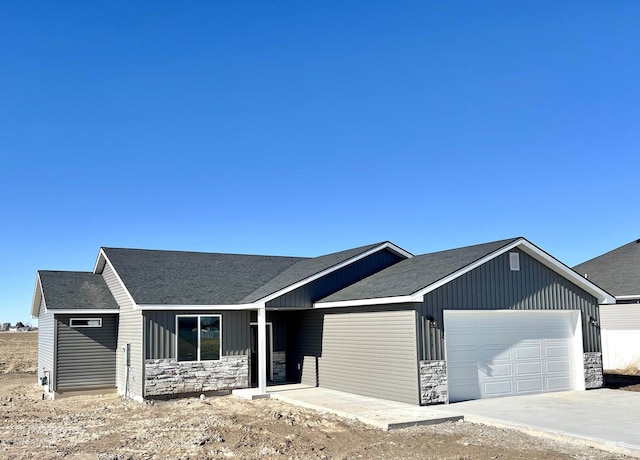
{"x": 127, "y": 365}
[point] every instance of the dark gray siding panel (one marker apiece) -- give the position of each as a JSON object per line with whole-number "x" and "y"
{"x": 160, "y": 331}
{"x": 304, "y": 346}
{"x": 493, "y": 286}
{"x": 46, "y": 344}
{"x": 86, "y": 356}
{"x": 305, "y": 296}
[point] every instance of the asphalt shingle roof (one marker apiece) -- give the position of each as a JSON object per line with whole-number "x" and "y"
{"x": 193, "y": 278}
{"x": 75, "y": 291}
{"x": 411, "y": 275}
{"x": 617, "y": 271}
{"x": 196, "y": 278}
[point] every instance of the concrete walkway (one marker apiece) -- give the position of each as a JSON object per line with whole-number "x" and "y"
{"x": 380, "y": 413}
{"x": 606, "y": 419}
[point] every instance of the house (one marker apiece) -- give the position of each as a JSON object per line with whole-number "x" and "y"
{"x": 495, "y": 319}
{"x": 618, "y": 271}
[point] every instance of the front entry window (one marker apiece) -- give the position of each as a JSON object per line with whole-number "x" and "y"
{"x": 198, "y": 337}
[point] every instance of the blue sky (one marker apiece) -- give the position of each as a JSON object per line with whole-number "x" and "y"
{"x": 301, "y": 128}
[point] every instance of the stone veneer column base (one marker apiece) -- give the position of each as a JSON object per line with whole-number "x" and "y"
{"x": 168, "y": 376}
{"x": 433, "y": 382}
{"x": 593, "y": 375}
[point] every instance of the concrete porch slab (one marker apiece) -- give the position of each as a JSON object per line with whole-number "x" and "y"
{"x": 379, "y": 413}
{"x": 250, "y": 393}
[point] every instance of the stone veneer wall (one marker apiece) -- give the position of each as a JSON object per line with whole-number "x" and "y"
{"x": 593, "y": 375}
{"x": 433, "y": 382}
{"x": 168, "y": 376}
{"x": 279, "y": 359}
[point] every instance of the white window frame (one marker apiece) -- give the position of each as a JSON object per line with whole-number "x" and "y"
{"x": 198, "y": 316}
{"x": 71, "y": 321}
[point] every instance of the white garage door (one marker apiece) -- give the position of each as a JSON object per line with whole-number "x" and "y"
{"x": 506, "y": 353}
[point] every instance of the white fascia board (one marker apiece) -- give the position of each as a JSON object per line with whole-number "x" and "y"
{"x": 245, "y": 306}
{"x": 388, "y": 245}
{"x": 37, "y": 297}
{"x": 538, "y": 254}
{"x": 627, "y": 297}
{"x": 362, "y": 302}
{"x": 85, "y": 311}
{"x": 100, "y": 260}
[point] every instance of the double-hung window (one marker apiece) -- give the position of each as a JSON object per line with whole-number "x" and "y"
{"x": 199, "y": 337}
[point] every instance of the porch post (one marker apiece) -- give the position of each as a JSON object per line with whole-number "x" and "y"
{"x": 262, "y": 350}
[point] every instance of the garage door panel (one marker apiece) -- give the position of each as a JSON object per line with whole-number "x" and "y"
{"x": 528, "y": 352}
{"x": 558, "y": 366}
{"x": 532, "y": 385}
{"x": 496, "y": 369}
{"x": 559, "y": 383}
{"x": 510, "y": 353}
{"x": 498, "y": 388}
{"x": 528, "y": 368}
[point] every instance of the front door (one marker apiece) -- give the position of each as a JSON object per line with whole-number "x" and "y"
{"x": 254, "y": 354}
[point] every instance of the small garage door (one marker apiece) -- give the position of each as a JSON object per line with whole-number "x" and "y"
{"x": 508, "y": 353}
{"x": 371, "y": 354}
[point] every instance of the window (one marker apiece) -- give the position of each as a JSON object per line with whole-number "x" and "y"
{"x": 199, "y": 337}
{"x": 85, "y": 322}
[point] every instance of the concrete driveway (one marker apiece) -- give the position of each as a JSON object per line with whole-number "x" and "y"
{"x": 607, "y": 419}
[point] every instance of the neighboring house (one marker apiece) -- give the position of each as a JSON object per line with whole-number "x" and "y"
{"x": 618, "y": 271}
{"x": 370, "y": 320}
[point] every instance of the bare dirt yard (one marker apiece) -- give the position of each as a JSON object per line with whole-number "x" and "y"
{"x": 109, "y": 428}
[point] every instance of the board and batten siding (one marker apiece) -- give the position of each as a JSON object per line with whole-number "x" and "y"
{"x": 129, "y": 331}
{"x": 493, "y": 286}
{"x": 620, "y": 317}
{"x": 160, "y": 332}
{"x": 46, "y": 345}
{"x": 86, "y": 356}
{"x": 306, "y": 295}
{"x": 371, "y": 352}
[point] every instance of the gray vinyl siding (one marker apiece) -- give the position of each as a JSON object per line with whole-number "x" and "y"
{"x": 493, "y": 286}
{"x": 46, "y": 344}
{"x": 306, "y": 295}
{"x": 160, "y": 331}
{"x": 86, "y": 356}
{"x": 129, "y": 331}
{"x": 620, "y": 317}
{"x": 370, "y": 352}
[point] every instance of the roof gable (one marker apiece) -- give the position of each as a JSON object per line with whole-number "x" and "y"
{"x": 305, "y": 270}
{"x": 411, "y": 275}
{"x": 155, "y": 277}
{"x": 617, "y": 271}
{"x": 65, "y": 290}
{"x": 411, "y": 279}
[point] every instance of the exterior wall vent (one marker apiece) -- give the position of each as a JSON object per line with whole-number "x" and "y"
{"x": 514, "y": 261}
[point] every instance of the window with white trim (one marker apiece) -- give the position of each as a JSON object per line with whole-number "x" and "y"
{"x": 85, "y": 322}
{"x": 199, "y": 337}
